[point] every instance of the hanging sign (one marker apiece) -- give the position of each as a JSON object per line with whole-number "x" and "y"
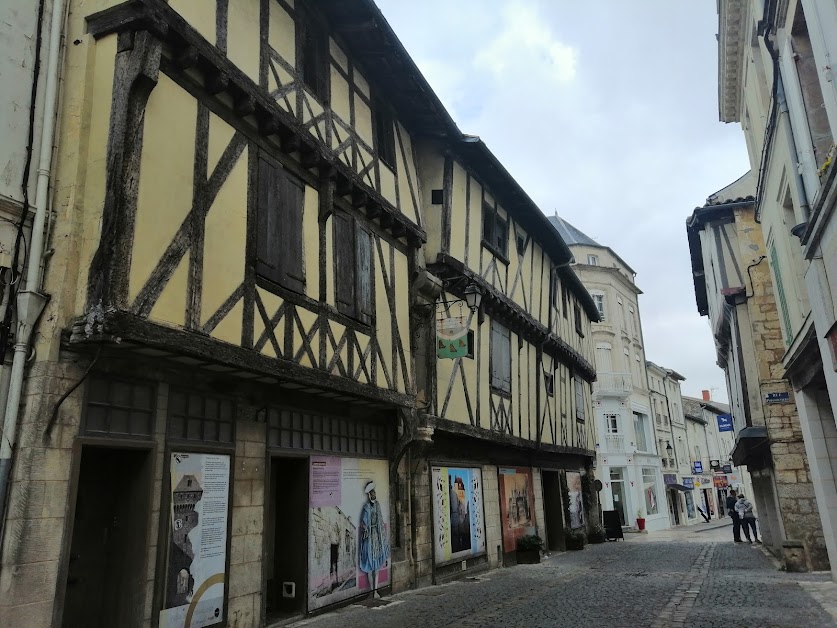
{"x": 727, "y": 468}
{"x": 688, "y": 482}
{"x": 697, "y": 466}
{"x": 451, "y": 337}
{"x": 725, "y": 423}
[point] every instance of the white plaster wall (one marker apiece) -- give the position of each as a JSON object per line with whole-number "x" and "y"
{"x": 18, "y": 19}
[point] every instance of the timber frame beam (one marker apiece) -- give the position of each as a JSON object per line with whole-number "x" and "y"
{"x": 185, "y": 49}
{"x": 514, "y": 317}
{"x": 115, "y": 327}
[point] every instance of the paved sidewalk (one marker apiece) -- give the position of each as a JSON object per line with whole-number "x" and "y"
{"x": 668, "y": 583}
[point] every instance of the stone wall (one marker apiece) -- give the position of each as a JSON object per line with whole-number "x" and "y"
{"x": 493, "y": 520}
{"x": 423, "y": 524}
{"x": 247, "y": 526}
{"x": 37, "y": 521}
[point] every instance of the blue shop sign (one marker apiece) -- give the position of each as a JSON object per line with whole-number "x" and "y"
{"x": 697, "y": 466}
{"x": 727, "y": 468}
{"x": 689, "y": 482}
{"x": 777, "y": 397}
{"x": 724, "y": 423}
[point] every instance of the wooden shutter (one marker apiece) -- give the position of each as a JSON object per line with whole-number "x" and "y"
{"x": 344, "y": 252}
{"x": 579, "y": 400}
{"x": 291, "y": 258}
{"x": 267, "y": 248}
{"x": 500, "y": 357}
{"x": 365, "y": 276}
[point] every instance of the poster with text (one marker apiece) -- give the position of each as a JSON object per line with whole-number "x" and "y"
{"x": 197, "y": 555}
{"x": 348, "y": 539}
{"x": 575, "y": 501}
{"x": 459, "y": 527}
{"x": 517, "y": 505}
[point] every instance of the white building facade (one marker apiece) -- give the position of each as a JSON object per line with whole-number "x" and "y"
{"x": 628, "y": 459}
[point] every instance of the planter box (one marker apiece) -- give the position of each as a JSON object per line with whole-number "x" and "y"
{"x": 528, "y": 557}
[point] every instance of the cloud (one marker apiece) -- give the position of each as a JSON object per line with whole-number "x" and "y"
{"x": 526, "y": 42}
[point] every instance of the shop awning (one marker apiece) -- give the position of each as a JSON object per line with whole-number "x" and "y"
{"x": 680, "y": 487}
{"x": 749, "y": 443}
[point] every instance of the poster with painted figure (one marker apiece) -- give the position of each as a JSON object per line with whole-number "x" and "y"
{"x": 458, "y": 513}
{"x": 348, "y": 540}
{"x": 197, "y": 554}
{"x": 517, "y": 505}
{"x": 576, "y": 500}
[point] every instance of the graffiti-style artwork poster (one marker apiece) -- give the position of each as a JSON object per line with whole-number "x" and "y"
{"x": 458, "y": 513}
{"x": 349, "y": 549}
{"x": 196, "y": 574}
{"x": 517, "y": 505}
{"x": 575, "y": 501}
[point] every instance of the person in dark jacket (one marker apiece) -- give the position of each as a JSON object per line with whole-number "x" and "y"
{"x": 736, "y": 520}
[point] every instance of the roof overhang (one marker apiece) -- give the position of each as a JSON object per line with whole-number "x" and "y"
{"x": 732, "y": 32}
{"x": 750, "y": 446}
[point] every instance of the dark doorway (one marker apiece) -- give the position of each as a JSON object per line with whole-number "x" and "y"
{"x": 553, "y": 511}
{"x": 287, "y": 538}
{"x": 106, "y": 573}
{"x": 674, "y": 506}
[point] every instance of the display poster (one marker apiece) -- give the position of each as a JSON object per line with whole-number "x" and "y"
{"x": 517, "y": 505}
{"x": 197, "y": 556}
{"x": 458, "y": 513}
{"x": 348, "y": 540}
{"x": 452, "y": 337}
{"x": 576, "y": 501}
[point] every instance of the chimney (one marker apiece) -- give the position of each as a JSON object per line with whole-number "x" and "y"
{"x": 706, "y": 395}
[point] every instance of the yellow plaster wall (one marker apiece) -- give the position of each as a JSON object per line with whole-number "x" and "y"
{"x": 383, "y": 320}
{"x": 281, "y": 34}
{"x": 338, "y": 55}
{"x": 229, "y": 329}
{"x": 243, "y": 41}
{"x": 475, "y": 224}
{"x": 340, "y": 96}
{"x": 201, "y": 15}
{"x": 165, "y": 186}
{"x": 363, "y": 120}
{"x": 311, "y": 242}
{"x": 329, "y": 265}
{"x": 402, "y": 298}
{"x": 170, "y": 307}
{"x": 362, "y": 84}
{"x": 225, "y": 236}
{"x": 82, "y": 156}
{"x": 458, "y": 213}
{"x": 388, "y": 186}
{"x": 410, "y": 207}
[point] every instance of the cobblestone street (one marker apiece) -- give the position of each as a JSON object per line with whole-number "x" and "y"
{"x": 695, "y": 579}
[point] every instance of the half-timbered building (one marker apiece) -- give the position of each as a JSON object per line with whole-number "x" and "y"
{"x": 234, "y": 409}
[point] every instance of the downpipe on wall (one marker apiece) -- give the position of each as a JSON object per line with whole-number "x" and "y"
{"x": 31, "y": 302}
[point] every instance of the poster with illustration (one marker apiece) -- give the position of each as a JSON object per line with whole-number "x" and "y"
{"x": 349, "y": 531}
{"x": 517, "y": 505}
{"x": 459, "y": 525}
{"x": 575, "y": 500}
{"x": 197, "y": 553}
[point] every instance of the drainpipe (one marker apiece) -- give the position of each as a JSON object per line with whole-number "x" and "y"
{"x": 31, "y": 302}
{"x": 799, "y": 182}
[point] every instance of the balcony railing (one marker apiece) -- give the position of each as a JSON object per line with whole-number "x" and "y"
{"x": 615, "y": 442}
{"x": 613, "y": 384}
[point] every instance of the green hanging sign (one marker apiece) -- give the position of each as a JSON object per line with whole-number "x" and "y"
{"x": 451, "y": 338}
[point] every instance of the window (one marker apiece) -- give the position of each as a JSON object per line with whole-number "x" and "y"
{"x": 119, "y": 408}
{"x": 780, "y": 289}
{"x": 437, "y": 197}
{"x": 354, "y": 272}
{"x": 549, "y": 384}
{"x": 288, "y": 428}
{"x": 640, "y": 432}
{"x": 553, "y": 290}
{"x": 593, "y": 260}
{"x": 384, "y": 134}
{"x": 697, "y": 452}
{"x": 312, "y": 55}
{"x": 612, "y": 423}
{"x": 579, "y": 329}
{"x": 521, "y": 243}
{"x": 199, "y": 417}
{"x": 500, "y": 358}
{"x": 495, "y": 231}
{"x": 579, "y": 399}
{"x": 599, "y": 301}
{"x": 659, "y": 419}
{"x": 279, "y": 250}
{"x": 565, "y": 299}
{"x": 650, "y": 489}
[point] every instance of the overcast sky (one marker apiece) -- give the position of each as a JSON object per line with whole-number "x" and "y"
{"x": 605, "y": 112}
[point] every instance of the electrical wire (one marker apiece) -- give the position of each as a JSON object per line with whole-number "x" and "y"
{"x": 20, "y": 238}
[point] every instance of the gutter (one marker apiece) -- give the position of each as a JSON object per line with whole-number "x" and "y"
{"x": 31, "y": 302}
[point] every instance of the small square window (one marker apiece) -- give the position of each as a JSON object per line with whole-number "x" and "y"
{"x": 549, "y": 384}
{"x": 437, "y": 197}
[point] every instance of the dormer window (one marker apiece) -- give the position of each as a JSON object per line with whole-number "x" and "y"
{"x": 593, "y": 260}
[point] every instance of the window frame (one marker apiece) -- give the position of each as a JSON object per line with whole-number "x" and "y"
{"x": 599, "y": 300}
{"x": 592, "y": 260}
{"x": 580, "y": 403}
{"x": 490, "y": 221}
{"x": 351, "y": 305}
{"x": 500, "y": 381}
{"x": 383, "y": 128}
{"x": 308, "y": 26}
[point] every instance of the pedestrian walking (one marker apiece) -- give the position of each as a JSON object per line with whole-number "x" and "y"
{"x": 736, "y": 520}
{"x": 744, "y": 508}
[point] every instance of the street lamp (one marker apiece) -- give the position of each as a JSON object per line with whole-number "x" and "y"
{"x": 473, "y": 296}
{"x": 669, "y": 448}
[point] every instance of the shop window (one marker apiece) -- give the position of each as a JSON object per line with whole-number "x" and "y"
{"x": 650, "y": 490}
{"x": 118, "y": 407}
{"x": 198, "y": 417}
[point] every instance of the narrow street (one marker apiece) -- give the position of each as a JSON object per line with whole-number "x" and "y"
{"x": 689, "y": 578}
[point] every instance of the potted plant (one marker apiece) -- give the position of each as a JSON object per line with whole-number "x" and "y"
{"x": 596, "y": 534}
{"x": 529, "y": 549}
{"x": 575, "y": 538}
{"x": 640, "y": 520}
